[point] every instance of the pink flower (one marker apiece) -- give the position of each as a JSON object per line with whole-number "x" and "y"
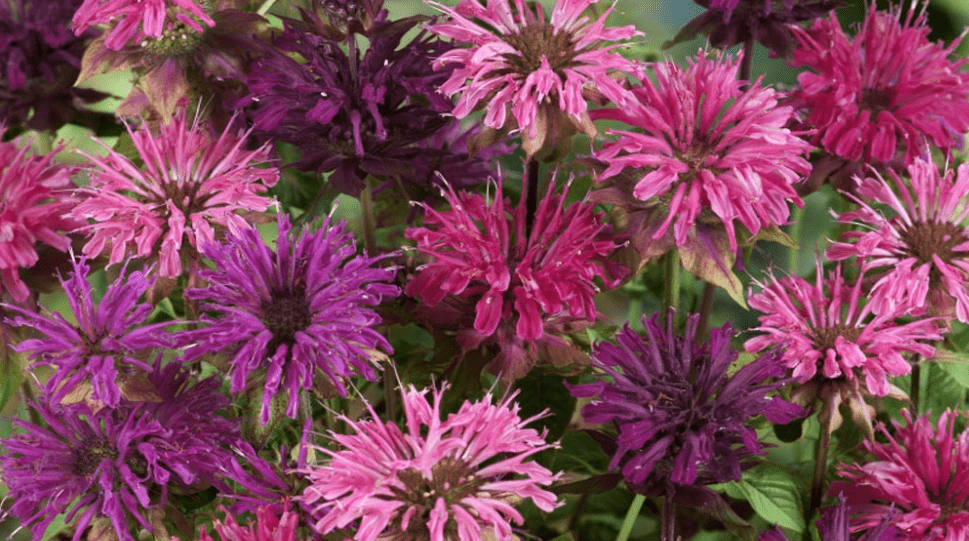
{"x": 921, "y": 252}
{"x": 540, "y": 68}
{"x": 887, "y": 87}
{"x": 709, "y": 148}
{"x": 483, "y": 251}
{"x": 826, "y": 330}
{"x": 34, "y": 196}
{"x": 190, "y": 184}
{"x": 459, "y": 478}
{"x": 130, "y": 21}
{"x": 920, "y": 477}
{"x": 268, "y": 526}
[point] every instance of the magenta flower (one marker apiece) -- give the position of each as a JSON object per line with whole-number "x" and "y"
{"x": 481, "y": 250}
{"x": 457, "y": 478}
{"x": 35, "y": 194}
{"x": 190, "y": 183}
{"x": 921, "y": 252}
{"x": 285, "y": 316}
{"x": 268, "y": 526}
{"x": 131, "y": 21}
{"x": 889, "y": 87}
{"x": 920, "y": 477}
{"x": 544, "y": 69}
{"x": 709, "y": 148}
{"x": 102, "y": 358}
{"x": 681, "y": 420}
{"x": 826, "y": 330}
{"x": 118, "y": 464}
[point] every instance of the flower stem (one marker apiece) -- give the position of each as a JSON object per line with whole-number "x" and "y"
{"x": 671, "y": 280}
{"x": 531, "y": 194}
{"x": 668, "y": 520}
{"x": 706, "y": 308}
{"x": 748, "y": 59}
{"x": 631, "y": 514}
{"x": 916, "y": 390}
{"x": 368, "y": 222}
{"x": 264, "y": 8}
{"x": 821, "y": 459}
{"x": 797, "y": 218}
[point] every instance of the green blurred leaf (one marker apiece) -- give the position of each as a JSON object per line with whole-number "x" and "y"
{"x": 540, "y": 392}
{"x": 774, "y": 493}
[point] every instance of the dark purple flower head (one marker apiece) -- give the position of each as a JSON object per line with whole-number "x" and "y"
{"x": 351, "y": 114}
{"x": 680, "y": 418}
{"x": 117, "y": 464}
{"x": 41, "y": 59}
{"x": 102, "y": 358}
{"x": 286, "y": 315}
{"x": 729, "y": 22}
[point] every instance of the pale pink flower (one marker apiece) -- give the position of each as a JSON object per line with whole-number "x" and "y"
{"x": 536, "y": 67}
{"x": 919, "y": 250}
{"x": 707, "y": 147}
{"x": 920, "y": 478}
{"x": 826, "y": 330}
{"x": 191, "y": 183}
{"x": 131, "y": 21}
{"x": 888, "y": 87}
{"x": 457, "y": 478}
{"x": 35, "y": 193}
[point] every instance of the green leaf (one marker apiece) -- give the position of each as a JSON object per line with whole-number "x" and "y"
{"x": 942, "y": 391}
{"x": 540, "y": 392}
{"x": 774, "y": 493}
{"x": 564, "y": 537}
{"x": 955, "y": 364}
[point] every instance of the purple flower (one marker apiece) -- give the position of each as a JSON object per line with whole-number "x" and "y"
{"x": 284, "y": 316}
{"x": 116, "y": 465}
{"x": 351, "y": 114}
{"x": 680, "y": 418}
{"x": 729, "y": 22}
{"x": 41, "y": 60}
{"x": 102, "y": 358}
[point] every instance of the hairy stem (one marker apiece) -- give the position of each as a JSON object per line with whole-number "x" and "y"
{"x": 671, "y": 281}
{"x": 668, "y": 520}
{"x": 821, "y": 459}
{"x": 631, "y": 514}
{"x": 706, "y": 308}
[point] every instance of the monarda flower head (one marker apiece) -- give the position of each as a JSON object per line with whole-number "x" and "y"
{"x": 729, "y": 22}
{"x": 132, "y": 21}
{"x": 41, "y": 59}
{"x": 483, "y": 251}
{"x": 190, "y": 183}
{"x": 268, "y": 526}
{"x": 920, "y": 477}
{"x": 114, "y": 468}
{"x": 284, "y": 316}
{"x": 681, "y": 420}
{"x": 437, "y": 479}
{"x": 104, "y": 357}
{"x": 707, "y": 149}
{"x": 35, "y": 194}
{"x": 919, "y": 251}
{"x": 543, "y": 69}
{"x": 888, "y": 89}
{"x": 351, "y": 113}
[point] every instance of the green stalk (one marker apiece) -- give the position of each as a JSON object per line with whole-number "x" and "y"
{"x": 369, "y": 223}
{"x": 671, "y": 281}
{"x": 821, "y": 459}
{"x": 916, "y": 389}
{"x": 264, "y": 8}
{"x": 668, "y": 521}
{"x": 631, "y": 514}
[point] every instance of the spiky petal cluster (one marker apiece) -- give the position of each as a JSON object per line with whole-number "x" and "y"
{"x": 483, "y": 249}
{"x": 437, "y": 479}
{"x": 729, "y": 22}
{"x": 708, "y": 148}
{"x": 826, "y": 329}
{"x": 268, "y": 526}
{"x": 117, "y": 464}
{"x": 191, "y": 183}
{"x": 351, "y": 114}
{"x": 41, "y": 59}
{"x": 131, "y": 21}
{"x": 285, "y": 315}
{"x": 680, "y": 418}
{"x": 920, "y": 476}
{"x": 888, "y": 88}
{"x": 104, "y": 356}
{"x": 541, "y": 68}
{"x": 919, "y": 252}
{"x": 34, "y": 197}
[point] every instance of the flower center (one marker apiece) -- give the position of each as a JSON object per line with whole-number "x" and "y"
{"x": 451, "y": 479}
{"x": 535, "y": 41}
{"x": 89, "y": 454}
{"x": 284, "y": 315}
{"x": 925, "y": 239}
{"x": 825, "y": 337}
{"x": 876, "y": 99}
